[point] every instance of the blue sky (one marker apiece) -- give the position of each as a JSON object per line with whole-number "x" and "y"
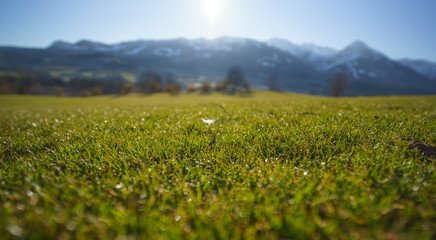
{"x": 398, "y": 28}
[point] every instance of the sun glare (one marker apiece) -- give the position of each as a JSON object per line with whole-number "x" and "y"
{"x": 212, "y": 8}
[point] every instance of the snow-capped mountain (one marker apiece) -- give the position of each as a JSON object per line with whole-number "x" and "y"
{"x": 369, "y": 67}
{"x": 425, "y": 68}
{"x": 301, "y": 68}
{"x": 126, "y": 48}
{"x": 308, "y": 51}
{"x": 318, "y": 50}
{"x": 287, "y": 46}
{"x": 350, "y": 57}
{"x": 197, "y": 57}
{"x": 354, "y": 51}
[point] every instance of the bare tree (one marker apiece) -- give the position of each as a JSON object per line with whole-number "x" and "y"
{"x": 58, "y": 91}
{"x": 173, "y": 88}
{"x": 126, "y": 88}
{"x": 339, "y": 84}
{"x": 154, "y": 86}
{"x": 150, "y": 82}
{"x": 96, "y": 91}
{"x": 206, "y": 87}
{"x": 236, "y": 78}
{"x": 273, "y": 82}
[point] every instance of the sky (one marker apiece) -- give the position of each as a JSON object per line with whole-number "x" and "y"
{"x": 397, "y": 28}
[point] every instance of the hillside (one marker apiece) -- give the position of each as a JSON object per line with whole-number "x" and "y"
{"x": 307, "y": 68}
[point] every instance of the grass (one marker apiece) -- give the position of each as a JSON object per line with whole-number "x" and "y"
{"x": 274, "y": 166}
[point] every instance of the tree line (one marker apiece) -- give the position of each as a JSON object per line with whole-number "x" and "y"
{"x": 78, "y": 86}
{"x": 148, "y": 82}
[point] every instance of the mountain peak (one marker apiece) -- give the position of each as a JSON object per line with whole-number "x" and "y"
{"x": 59, "y": 44}
{"x": 359, "y": 49}
{"x": 358, "y": 44}
{"x": 89, "y": 43}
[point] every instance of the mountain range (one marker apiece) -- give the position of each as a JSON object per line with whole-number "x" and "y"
{"x": 305, "y": 68}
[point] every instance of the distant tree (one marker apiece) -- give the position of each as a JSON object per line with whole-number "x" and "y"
{"x": 173, "y": 88}
{"x": 24, "y": 84}
{"x": 150, "y": 82}
{"x": 206, "y": 87}
{"x": 96, "y": 91}
{"x": 219, "y": 86}
{"x": 339, "y": 84}
{"x": 6, "y": 89}
{"x": 126, "y": 88}
{"x": 273, "y": 82}
{"x": 170, "y": 79}
{"x": 191, "y": 88}
{"x": 58, "y": 91}
{"x": 7, "y": 84}
{"x": 84, "y": 93}
{"x": 114, "y": 85}
{"x": 236, "y": 79}
{"x": 53, "y": 82}
{"x": 223, "y": 85}
{"x": 78, "y": 86}
{"x": 154, "y": 86}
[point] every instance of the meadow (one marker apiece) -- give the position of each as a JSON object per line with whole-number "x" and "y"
{"x": 273, "y": 166}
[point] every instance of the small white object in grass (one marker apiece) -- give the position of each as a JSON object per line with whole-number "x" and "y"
{"x": 208, "y": 121}
{"x": 16, "y": 230}
{"x": 177, "y": 218}
{"x": 305, "y": 173}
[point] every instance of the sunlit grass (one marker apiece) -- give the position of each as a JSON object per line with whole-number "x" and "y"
{"x": 273, "y": 165}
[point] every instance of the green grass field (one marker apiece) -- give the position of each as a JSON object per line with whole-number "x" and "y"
{"x": 273, "y": 166}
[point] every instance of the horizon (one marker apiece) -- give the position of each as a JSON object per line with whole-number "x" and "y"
{"x": 220, "y": 37}
{"x": 398, "y": 29}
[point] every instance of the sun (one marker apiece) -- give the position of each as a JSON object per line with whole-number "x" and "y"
{"x": 212, "y": 8}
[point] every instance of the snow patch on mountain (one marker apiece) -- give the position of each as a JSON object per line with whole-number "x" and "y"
{"x": 216, "y": 45}
{"x": 205, "y": 55}
{"x": 286, "y": 46}
{"x": 269, "y": 61}
{"x": 136, "y": 50}
{"x": 425, "y": 68}
{"x": 318, "y": 50}
{"x": 64, "y": 46}
{"x": 309, "y": 51}
{"x": 167, "y": 52}
{"x": 118, "y": 47}
{"x": 266, "y": 63}
{"x": 353, "y": 70}
{"x": 94, "y": 46}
